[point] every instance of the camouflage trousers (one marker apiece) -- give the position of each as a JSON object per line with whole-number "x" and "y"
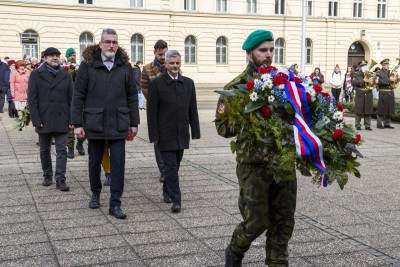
{"x": 265, "y": 205}
{"x": 71, "y": 138}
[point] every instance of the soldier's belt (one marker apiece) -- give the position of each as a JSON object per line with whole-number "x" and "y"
{"x": 385, "y": 90}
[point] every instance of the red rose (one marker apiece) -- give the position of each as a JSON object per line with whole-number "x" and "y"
{"x": 278, "y": 80}
{"x": 249, "y": 85}
{"x": 297, "y": 80}
{"x": 27, "y": 123}
{"x": 308, "y": 97}
{"x": 71, "y": 66}
{"x": 358, "y": 138}
{"x": 317, "y": 88}
{"x": 271, "y": 68}
{"x": 339, "y": 106}
{"x": 66, "y": 68}
{"x": 337, "y": 134}
{"x": 129, "y": 138}
{"x": 266, "y": 112}
{"x": 262, "y": 70}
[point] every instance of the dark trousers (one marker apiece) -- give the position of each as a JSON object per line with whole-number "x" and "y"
{"x": 336, "y": 93}
{"x": 159, "y": 158}
{"x": 61, "y": 152}
{"x": 2, "y": 98}
{"x": 172, "y": 161}
{"x": 117, "y": 160}
{"x": 11, "y": 110}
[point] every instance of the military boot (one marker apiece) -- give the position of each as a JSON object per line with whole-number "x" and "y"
{"x": 80, "y": 148}
{"x": 232, "y": 258}
{"x": 71, "y": 152}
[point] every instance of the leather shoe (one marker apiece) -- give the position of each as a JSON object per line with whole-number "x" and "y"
{"x": 176, "y": 207}
{"x": 47, "y": 181}
{"x": 162, "y": 178}
{"x": 368, "y": 128}
{"x": 61, "y": 185}
{"x": 94, "y": 202}
{"x": 70, "y": 153}
{"x": 167, "y": 199}
{"x": 379, "y": 126}
{"x": 107, "y": 181}
{"x": 358, "y": 128}
{"x": 232, "y": 258}
{"x": 389, "y": 126}
{"x": 117, "y": 212}
{"x": 80, "y": 148}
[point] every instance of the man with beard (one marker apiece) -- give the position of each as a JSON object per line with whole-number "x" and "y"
{"x": 151, "y": 71}
{"x": 106, "y": 95}
{"x": 263, "y": 203}
{"x": 386, "y": 102}
{"x": 49, "y": 99}
{"x": 172, "y": 108}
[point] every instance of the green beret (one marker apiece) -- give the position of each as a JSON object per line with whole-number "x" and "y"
{"x": 257, "y": 37}
{"x": 69, "y": 52}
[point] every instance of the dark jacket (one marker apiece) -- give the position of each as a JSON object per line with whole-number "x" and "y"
{"x": 107, "y": 99}
{"x": 4, "y": 77}
{"x": 386, "y": 102}
{"x": 172, "y": 107}
{"x": 49, "y": 100}
{"x": 364, "y": 98}
{"x": 136, "y": 76}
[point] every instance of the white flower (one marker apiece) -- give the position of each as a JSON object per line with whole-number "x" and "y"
{"x": 339, "y": 125}
{"x": 253, "y": 96}
{"x": 326, "y": 120}
{"x": 266, "y": 77}
{"x": 271, "y": 98}
{"x": 282, "y": 86}
{"x": 268, "y": 84}
{"x": 338, "y": 115}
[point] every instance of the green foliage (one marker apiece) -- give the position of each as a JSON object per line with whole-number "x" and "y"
{"x": 24, "y": 120}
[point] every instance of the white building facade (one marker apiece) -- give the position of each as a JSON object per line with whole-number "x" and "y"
{"x": 208, "y": 33}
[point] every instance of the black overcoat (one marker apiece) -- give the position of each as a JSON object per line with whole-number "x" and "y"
{"x": 107, "y": 99}
{"x": 171, "y": 108}
{"x": 49, "y": 100}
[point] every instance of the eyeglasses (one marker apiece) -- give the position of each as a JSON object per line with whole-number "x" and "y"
{"x": 108, "y": 42}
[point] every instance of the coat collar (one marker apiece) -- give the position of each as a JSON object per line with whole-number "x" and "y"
{"x": 98, "y": 61}
{"x": 43, "y": 72}
{"x": 169, "y": 80}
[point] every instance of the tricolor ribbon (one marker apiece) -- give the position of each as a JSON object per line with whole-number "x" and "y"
{"x": 307, "y": 143}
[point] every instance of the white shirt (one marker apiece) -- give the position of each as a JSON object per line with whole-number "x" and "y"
{"x": 173, "y": 78}
{"x": 109, "y": 63}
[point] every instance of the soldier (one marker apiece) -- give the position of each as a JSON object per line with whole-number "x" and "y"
{"x": 364, "y": 98}
{"x": 386, "y": 101}
{"x": 263, "y": 203}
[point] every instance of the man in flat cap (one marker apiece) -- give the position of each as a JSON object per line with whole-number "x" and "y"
{"x": 49, "y": 100}
{"x": 363, "y": 99}
{"x": 386, "y": 102}
{"x": 263, "y": 203}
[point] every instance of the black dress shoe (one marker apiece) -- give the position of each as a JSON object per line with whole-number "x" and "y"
{"x": 117, "y": 212}
{"x": 176, "y": 207}
{"x": 80, "y": 148}
{"x": 107, "y": 181}
{"x": 167, "y": 199}
{"x": 94, "y": 202}
{"x": 379, "y": 126}
{"x": 47, "y": 181}
{"x": 389, "y": 126}
{"x": 358, "y": 128}
{"x": 162, "y": 178}
{"x": 61, "y": 185}
{"x": 70, "y": 153}
{"x": 368, "y": 128}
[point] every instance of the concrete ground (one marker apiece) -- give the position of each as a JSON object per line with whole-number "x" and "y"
{"x": 41, "y": 226}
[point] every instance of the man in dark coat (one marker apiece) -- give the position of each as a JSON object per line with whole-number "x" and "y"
{"x": 171, "y": 108}
{"x": 4, "y": 83}
{"x": 49, "y": 99}
{"x": 386, "y": 103}
{"x": 364, "y": 98}
{"x": 106, "y": 94}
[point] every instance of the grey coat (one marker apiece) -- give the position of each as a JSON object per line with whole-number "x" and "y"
{"x": 364, "y": 97}
{"x": 107, "y": 99}
{"x": 49, "y": 100}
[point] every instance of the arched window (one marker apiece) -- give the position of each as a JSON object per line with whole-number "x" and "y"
{"x": 190, "y": 50}
{"x": 137, "y": 48}
{"x": 85, "y": 40}
{"x": 222, "y": 50}
{"x": 308, "y": 51}
{"x": 279, "y": 51}
{"x": 30, "y": 43}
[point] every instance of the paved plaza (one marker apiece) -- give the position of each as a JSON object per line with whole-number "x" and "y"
{"x": 41, "y": 226}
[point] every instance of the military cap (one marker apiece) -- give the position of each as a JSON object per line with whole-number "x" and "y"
{"x": 69, "y": 52}
{"x": 385, "y": 61}
{"x": 257, "y": 37}
{"x": 363, "y": 63}
{"x": 51, "y": 51}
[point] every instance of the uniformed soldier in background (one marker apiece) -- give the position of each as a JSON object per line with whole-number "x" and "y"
{"x": 263, "y": 203}
{"x": 386, "y": 102}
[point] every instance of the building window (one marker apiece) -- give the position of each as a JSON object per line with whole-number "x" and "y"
{"x": 190, "y": 5}
{"x": 30, "y": 43}
{"x": 137, "y": 48}
{"x": 357, "y": 9}
{"x": 221, "y": 6}
{"x": 308, "y": 51}
{"x": 137, "y": 3}
{"x": 85, "y": 40}
{"x": 309, "y": 8}
{"x": 222, "y": 51}
{"x": 279, "y": 51}
{"x": 190, "y": 50}
{"x": 86, "y": 2}
{"x": 279, "y": 7}
{"x": 333, "y": 8}
{"x": 252, "y": 6}
{"x": 381, "y": 9}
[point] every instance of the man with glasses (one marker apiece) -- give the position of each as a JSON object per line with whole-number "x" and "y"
{"x": 106, "y": 95}
{"x": 49, "y": 99}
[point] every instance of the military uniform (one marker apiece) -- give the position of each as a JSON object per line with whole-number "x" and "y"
{"x": 386, "y": 102}
{"x": 263, "y": 203}
{"x": 363, "y": 100}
